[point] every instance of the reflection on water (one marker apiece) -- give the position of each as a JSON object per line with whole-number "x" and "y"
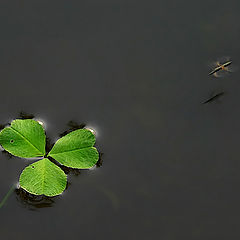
{"x": 9, "y": 155}
{"x": 33, "y": 202}
{"x": 41, "y": 122}
{"x": 25, "y": 115}
{"x": 93, "y": 129}
{"x": 214, "y": 97}
{"x": 100, "y": 160}
{"x": 2, "y": 126}
{"x": 72, "y": 126}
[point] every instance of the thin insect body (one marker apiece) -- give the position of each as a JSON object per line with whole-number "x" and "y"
{"x": 221, "y": 67}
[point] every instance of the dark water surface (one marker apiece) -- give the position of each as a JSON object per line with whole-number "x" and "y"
{"x": 137, "y": 73}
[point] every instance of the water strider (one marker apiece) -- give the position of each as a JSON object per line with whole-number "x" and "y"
{"x": 221, "y": 68}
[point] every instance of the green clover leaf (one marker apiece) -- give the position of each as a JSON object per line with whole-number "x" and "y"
{"x": 43, "y": 177}
{"x": 26, "y": 138}
{"x": 76, "y": 150}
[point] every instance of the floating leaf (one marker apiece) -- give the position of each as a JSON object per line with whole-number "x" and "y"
{"x": 43, "y": 178}
{"x": 76, "y": 150}
{"x": 24, "y": 138}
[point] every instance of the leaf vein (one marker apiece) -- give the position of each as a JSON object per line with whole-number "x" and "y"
{"x": 26, "y": 139}
{"x": 72, "y": 150}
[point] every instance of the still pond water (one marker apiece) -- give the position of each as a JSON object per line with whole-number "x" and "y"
{"x": 137, "y": 73}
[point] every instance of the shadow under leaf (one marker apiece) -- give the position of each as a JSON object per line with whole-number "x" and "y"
{"x": 72, "y": 126}
{"x": 34, "y": 202}
{"x": 25, "y": 115}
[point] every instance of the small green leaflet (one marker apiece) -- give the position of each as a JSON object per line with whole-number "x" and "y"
{"x": 76, "y": 150}
{"x": 24, "y": 138}
{"x": 43, "y": 177}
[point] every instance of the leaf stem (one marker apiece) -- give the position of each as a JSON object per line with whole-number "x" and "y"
{"x": 13, "y": 187}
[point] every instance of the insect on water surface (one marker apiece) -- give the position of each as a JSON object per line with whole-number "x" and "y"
{"x": 221, "y": 67}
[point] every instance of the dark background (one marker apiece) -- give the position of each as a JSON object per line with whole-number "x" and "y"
{"x": 138, "y": 74}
